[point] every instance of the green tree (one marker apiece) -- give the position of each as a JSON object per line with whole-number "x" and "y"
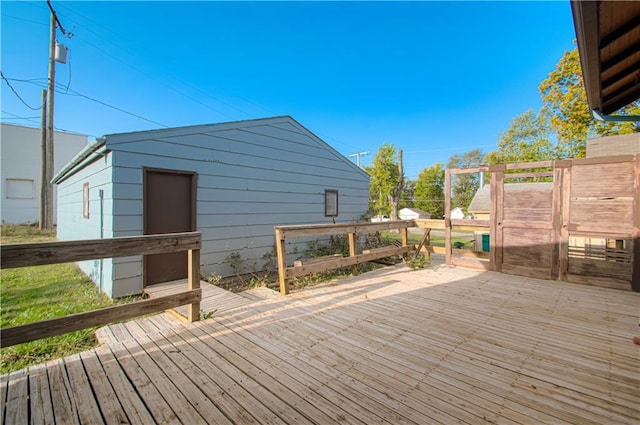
{"x": 464, "y": 186}
{"x": 526, "y": 140}
{"x": 386, "y": 182}
{"x": 565, "y": 102}
{"x": 430, "y": 190}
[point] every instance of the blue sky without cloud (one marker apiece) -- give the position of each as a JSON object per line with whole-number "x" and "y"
{"x": 433, "y": 78}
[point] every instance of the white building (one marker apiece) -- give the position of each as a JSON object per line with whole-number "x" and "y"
{"x": 457, "y": 213}
{"x": 413, "y": 214}
{"x": 233, "y": 182}
{"x": 20, "y": 169}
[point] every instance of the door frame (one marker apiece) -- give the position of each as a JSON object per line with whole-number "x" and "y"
{"x": 145, "y": 207}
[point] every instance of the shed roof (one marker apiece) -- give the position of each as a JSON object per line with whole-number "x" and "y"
{"x": 415, "y": 210}
{"x": 608, "y": 34}
{"x": 481, "y": 202}
{"x": 109, "y": 142}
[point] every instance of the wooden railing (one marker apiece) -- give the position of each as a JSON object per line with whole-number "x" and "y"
{"x": 34, "y": 254}
{"x": 300, "y": 268}
{"x": 455, "y": 256}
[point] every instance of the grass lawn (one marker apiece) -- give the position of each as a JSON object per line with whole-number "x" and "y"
{"x": 30, "y": 294}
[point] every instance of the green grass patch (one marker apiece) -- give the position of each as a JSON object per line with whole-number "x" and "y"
{"x": 31, "y": 294}
{"x": 19, "y": 233}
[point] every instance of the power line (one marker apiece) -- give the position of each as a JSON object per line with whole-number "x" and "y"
{"x": 75, "y": 93}
{"x": 358, "y": 155}
{"x": 150, "y": 76}
{"x": 17, "y": 117}
{"x": 53, "y": 12}
{"x": 33, "y": 120}
{"x": 6, "y": 80}
{"x": 451, "y": 148}
{"x": 4, "y": 15}
{"x": 109, "y": 40}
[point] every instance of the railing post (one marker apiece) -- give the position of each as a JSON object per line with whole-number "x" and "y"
{"x": 427, "y": 243}
{"x": 497, "y": 211}
{"x": 193, "y": 282}
{"x": 281, "y": 252}
{"x": 405, "y": 239}
{"x": 353, "y": 252}
{"x": 447, "y": 217}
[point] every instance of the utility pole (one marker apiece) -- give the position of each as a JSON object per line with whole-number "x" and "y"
{"x": 48, "y": 151}
{"x": 43, "y": 163}
{"x": 48, "y": 224}
{"x": 358, "y": 155}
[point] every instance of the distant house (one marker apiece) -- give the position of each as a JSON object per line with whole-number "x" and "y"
{"x": 480, "y": 206}
{"x": 20, "y": 169}
{"x": 413, "y": 214}
{"x": 233, "y": 182}
{"x": 457, "y": 213}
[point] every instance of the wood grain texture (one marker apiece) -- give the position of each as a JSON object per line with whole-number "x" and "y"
{"x": 334, "y": 263}
{"x": 314, "y": 230}
{"x": 438, "y": 345}
{"x": 73, "y": 322}
{"x": 35, "y": 254}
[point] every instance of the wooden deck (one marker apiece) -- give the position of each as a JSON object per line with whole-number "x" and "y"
{"x": 444, "y": 345}
{"x": 215, "y": 300}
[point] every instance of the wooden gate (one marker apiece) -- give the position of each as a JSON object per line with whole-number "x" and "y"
{"x": 575, "y": 220}
{"x": 524, "y": 220}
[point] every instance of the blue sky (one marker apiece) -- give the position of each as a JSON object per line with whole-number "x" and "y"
{"x": 433, "y": 78}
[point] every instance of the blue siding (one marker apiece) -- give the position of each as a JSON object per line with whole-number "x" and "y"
{"x": 252, "y": 176}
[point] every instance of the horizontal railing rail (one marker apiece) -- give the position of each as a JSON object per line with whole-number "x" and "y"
{"x": 43, "y": 253}
{"x": 282, "y": 233}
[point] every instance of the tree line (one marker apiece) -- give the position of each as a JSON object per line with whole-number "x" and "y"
{"x": 558, "y": 130}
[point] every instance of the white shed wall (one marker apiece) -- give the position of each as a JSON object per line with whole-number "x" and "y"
{"x": 20, "y": 164}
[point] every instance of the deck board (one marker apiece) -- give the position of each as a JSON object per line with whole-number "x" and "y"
{"x": 441, "y": 345}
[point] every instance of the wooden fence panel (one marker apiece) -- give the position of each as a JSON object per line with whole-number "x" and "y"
{"x": 531, "y": 230}
{"x": 602, "y": 212}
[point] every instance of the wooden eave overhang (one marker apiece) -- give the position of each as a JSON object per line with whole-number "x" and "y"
{"x": 608, "y": 34}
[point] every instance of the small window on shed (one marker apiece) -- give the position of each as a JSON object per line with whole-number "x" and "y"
{"x": 85, "y": 200}
{"x": 20, "y": 189}
{"x": 330, "y": 203}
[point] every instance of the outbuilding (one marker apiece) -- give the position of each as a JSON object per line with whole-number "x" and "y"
{"x": 20, "y": 168}
{"x": 233, "y": 182}
{"x": 413, "y": 214}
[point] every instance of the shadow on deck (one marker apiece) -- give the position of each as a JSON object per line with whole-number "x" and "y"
{"x": 440, "y": 345}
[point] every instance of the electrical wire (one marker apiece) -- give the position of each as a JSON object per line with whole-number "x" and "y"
{"x": 17, "y": 117}
{"x": 33, "y": 120}
{"x": 4, "y": 15}
{"x": 153, "y": 77}
{"x": 6, "y": 80}
{"x": 66, "y": 89}
{"x": 75, "y": 93}
{"x": 53, "y": 12}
